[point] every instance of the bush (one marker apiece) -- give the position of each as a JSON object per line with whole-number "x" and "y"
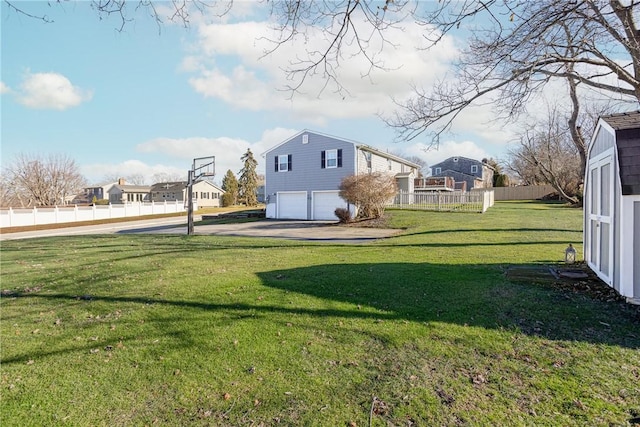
{"x": 344, "y": 215}
{"x": 370, "y": 193}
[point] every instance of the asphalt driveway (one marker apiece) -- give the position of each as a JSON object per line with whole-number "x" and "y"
{"x": 319, "y": 231}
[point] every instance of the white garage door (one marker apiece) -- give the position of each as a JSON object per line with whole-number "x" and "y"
{"x": 292, "y": 205}
{"x": 325, "y": 204}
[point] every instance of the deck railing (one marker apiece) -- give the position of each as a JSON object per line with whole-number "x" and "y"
{"x": 476, "y": 201}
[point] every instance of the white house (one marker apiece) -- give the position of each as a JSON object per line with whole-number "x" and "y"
{"x": 612, "y": 203}
{"x": 205, "y": 193}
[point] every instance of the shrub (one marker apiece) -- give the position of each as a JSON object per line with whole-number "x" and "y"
{"x": 370, "y": 193}
{"x": 343, "y": 214}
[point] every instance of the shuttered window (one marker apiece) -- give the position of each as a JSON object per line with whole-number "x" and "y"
{"x": 283, "y": 163}
{"x": 330, "y": 159}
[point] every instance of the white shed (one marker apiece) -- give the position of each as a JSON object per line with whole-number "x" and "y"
{"x": 612, "y": 203}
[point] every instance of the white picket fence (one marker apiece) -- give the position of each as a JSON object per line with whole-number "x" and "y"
{"x": 14, "y": 217}
{"x": 474, "y": 201}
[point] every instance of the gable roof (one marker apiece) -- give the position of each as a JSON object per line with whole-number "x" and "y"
{"x": 132, "y": 188}
{"x": 358, "y": 145}
{"x": 627, "y": 132}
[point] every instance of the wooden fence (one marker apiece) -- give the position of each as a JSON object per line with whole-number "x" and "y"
{"x": 525, "y": 192}
{"x": 477, "y": 201}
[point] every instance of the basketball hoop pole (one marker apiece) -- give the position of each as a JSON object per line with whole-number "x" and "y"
{"x": 202, "y": 166}
{"x": 190, "y": 204}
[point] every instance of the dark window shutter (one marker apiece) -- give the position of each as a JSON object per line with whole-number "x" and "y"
{"x": 276, "y": 163}
{"x": 340, "y": 158}
{"x": 289, "y": 162}
{"x": 323, "y": 156}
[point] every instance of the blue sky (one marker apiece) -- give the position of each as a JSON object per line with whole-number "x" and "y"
{"x": 149, "y": 99}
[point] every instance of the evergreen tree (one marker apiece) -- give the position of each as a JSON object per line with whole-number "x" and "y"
{"x": 230, "y": 187}
{"x": 248, "y": 182}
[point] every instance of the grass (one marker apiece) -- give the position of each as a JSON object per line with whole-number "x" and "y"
{"x": 420, "y": 329}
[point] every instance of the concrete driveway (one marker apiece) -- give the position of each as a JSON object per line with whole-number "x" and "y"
{"x": 317, "y": 231}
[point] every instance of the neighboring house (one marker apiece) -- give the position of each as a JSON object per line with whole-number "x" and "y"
{"x": 123, "y": 193}
{"x": 612, "y": 203}
{"x": 100, "y": 192}
{"x": 205, "y": 193}
{"x": 304, "y": 172}
{"x": 475, "y": 173}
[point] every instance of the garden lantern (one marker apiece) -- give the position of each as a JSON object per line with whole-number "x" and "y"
{"x": 570, "y": 254}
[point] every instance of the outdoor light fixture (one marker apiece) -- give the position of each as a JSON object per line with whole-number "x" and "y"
{"x": 570, "y": 254}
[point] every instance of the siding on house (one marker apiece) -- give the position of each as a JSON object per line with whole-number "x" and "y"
{"x": 306, "y": 173}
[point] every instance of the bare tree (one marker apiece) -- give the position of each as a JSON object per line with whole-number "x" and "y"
{"x": 44, "y": 181}
{"x": 546, "y": 154}
{"x": 370, "y": 193}
{"x": 167, "y": 177}
{"x": 594, "y": 43}
{"x": 125, "y": 11}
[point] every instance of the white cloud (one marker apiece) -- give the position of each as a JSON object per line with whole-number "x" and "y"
{"x": 50, "y": 91}
{"x": 227, "y": 151}
{"x": 95, "y": 173}
{"x": 4, "y": 88}
{"x": 257, "y": 81}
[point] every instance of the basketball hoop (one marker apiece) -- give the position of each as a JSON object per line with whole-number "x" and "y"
{"x": 202, "y": 167}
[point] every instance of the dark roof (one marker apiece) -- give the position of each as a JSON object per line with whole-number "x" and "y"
{"x": 627, "y": 129}
{"x": 621, "y": 121}
{"x": 169, "y": 186}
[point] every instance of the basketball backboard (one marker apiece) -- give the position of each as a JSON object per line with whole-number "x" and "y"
{"x": 204, "y": 166}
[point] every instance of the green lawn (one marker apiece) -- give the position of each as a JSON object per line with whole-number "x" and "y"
{"x": 417, "y": 330}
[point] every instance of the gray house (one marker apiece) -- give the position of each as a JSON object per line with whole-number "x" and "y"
{"x": 304, "y": 172}
{"x": 612, "y": 203}
{"x": 475, "y": 173}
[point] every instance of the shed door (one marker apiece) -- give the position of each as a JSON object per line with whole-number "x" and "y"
{"x": 600, "y": 226}
{"x": 292, "y": 205}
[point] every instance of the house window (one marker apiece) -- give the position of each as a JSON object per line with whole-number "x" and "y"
{"x": 283, "y": 163}
{"x": 438, "y": 171}
{"x": 367, "y": 157}
{"x": 390, "y": 164}
{"x": 330, "y": 159}
{"x": 474, "y": 168}
{"x": 305, "y": 138}
{"x": 455, "y": 160}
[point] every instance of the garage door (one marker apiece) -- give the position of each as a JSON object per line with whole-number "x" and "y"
{"x": 325, "y": 204}
{"x": 292, "y": 205}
